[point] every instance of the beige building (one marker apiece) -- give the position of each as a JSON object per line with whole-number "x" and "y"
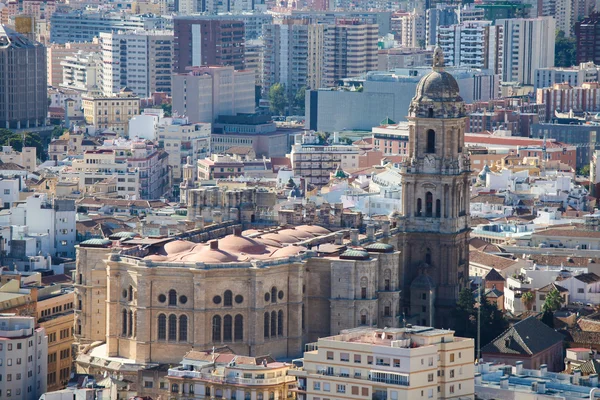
{"x": 204, "y": 374}
{"x": 112, "y": 112}
{"x": 26, "y": 158}
{"x": 56, "y": 54}
{"x": 315, "y": 161}
{"x": 409, "y": 363}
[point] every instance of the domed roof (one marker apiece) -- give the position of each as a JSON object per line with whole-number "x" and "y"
{"x": 240, "y": 244}
{"x": 297, "y": 233}
{"x": 437, "y": 94}
{"x": 177, "y": 246}
{"x": 422, "y": 281}
{"x": 380, "y": 248}
{"x": 288, "y": 251}
{"x": 354, "y": 254}
{"x": 208, "y": 255}
{"x": 314, "y": 229}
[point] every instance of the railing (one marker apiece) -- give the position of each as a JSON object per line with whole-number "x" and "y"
{"x": 230, "y": 380}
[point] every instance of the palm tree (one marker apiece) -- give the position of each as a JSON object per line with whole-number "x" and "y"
{"x": 527, "y": 299}
{"x": 553, "y": 301}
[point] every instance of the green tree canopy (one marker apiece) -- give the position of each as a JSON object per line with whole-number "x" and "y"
{"x": 300, "y": 98}
{"x": 9, "y": 138}
{"x": 553, "y": 301}
{"x": 277, "y": 99}
{"x": 565, "y": 50}
{"x": 527, "y": 299}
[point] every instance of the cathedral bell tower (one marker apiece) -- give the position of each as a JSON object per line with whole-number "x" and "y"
{"x": 435, "y": 200}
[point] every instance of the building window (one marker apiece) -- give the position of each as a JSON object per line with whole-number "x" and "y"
{"x": 216, "y": 328}
{"x": 273, "y": 294}
{"x": 162, "y": 327}
{"x": 227, "y": 328}
{"x": 172, "y": 297}
{"x": 183, "y": 325}
{"x": 228, "y": 298}
{"x": 280, "y": 323}
{"x": 431, "y": 141}
{"x": 419, "y": 208}
{"x": 124, "y": 323}
{"x": 273, "y": 324}
{"x": 172, "y": 327}
{"x": 438, "y": 208}
{"x": 428, "y": 204}
{"x": 266, "y": 325}
{"x": 239, "y": 328}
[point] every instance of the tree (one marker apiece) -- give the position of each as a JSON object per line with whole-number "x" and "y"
{"x": 300, "y": 98}
{"x": 58, "y": 131}
{"x": 585, "y": 170}
{"x": 167, "y": 108}
{"x": 553, "y": 301}
{"x": 527, "y": 299}
{"x": 492, "y": 320}
{"x": 9, "y": 138}
{"x": 565, "y": 50}
{"x": 277, "y": 99}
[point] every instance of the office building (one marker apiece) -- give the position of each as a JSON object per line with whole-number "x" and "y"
{"x": 202, "y": 42}
{"x": 23, "y": 88}
{"x": 110, "y": 112}
{"x": 468, "y": 45}
{"x": 204, "y": 93}
{"x": 82, "y": 71}
{"x": 380, "y": 18}
{"x": 253, "y": 21}
{"x": 574, "y": 76}
{"x": 394, "y": 58}
{"x": 587, "y": 35}
{"x": 139, "y": 60}
{"x": 349, "y": 49}
{"x": 84, "y": 26}
{"x": 24, "y": 351}
{"x": 395, "y": 363}
{"x": 56, "y": 54}
{"x": 525, "y": 45}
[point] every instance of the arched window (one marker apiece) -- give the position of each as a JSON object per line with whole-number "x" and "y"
{"x": 387, "y": 309}
{"x": 228, "y": 298}
{"x": 124, "y": 327}
{"x": 364, "y": 282}
{"x": 271, "y": 395}
{"x": 280, "y": 323}
{"x": 172, "y": 327}
{"x": 227, "y": 328}
{"x": 273, "y": 294}
{"x": 438, "y": 208}
{"x": 430, "y": 112}
{"x": 238, "y": 333}
{"x": 130, "y": 331}
{"x": 273, "y": 324}
{"x": 363, "y": 317}
{"x": 216, "y": 328}
{"x": 172, "y": 297}
{"x": 130, "y": 293}
{"x": 428, "y": 256}
{"x": 430, "y": 141}
{"x": 428, "y": 204}
{"x": 419, "y": 208}
{"x": 266, "y": 322}
{"x": 162, "y": 327}
{"x": 183, "y": 325}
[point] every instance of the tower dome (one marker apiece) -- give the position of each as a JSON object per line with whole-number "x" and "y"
{"x": 437, "y": 94}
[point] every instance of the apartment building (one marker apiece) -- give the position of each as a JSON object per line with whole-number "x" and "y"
{"x": 524, "y": 45}
{"x": 315, "y": 161}
{"x": 152, "y": 166}
{"x": 415, "y": 362}
{"x": 467, "y": 45}
{"x": 412, "y": 29}
{"x": 208, "y": 42}
{"x": 562, "y": 97}
{"x": 587, "y": 34}
{"x": 255, "y": 52}
{"x": 55, "y": 313}
{"x": 574, "y": 76}
{"x": 81, "y": 71}
{"x": 110, "y": 112}
{"x": 24, "y": 351}
{"x": 140, "y": 60}
{"x": 56, "y": 53}
{"x": 349, "y": 49}
{"x": 204, "y": 93}
{"x": 219, "y": 166}
{"x": 26, "y": 158}
{"x": 438, "y": 16}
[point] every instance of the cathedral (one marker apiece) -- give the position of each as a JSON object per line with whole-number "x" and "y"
{"x": 143, "y": 301}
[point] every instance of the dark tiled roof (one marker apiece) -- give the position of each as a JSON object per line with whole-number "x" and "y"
{"x": 11, "y": 166}
{"x": 552, "y": 286}
{"x": 494, "y": 276}
{"x": 589, "y": 367}
{"x": 527, "y": 337}
{"x": 588, "y": 278}
{"x": 493, "y": 293}
{"x": 489, "y": 260}
{"x": 487, "y": 198}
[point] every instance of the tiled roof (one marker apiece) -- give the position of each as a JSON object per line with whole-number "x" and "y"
{"x": 572, "y": 231}
{"x": 489, "y": 260}
{"x": 588, "y": 278}
{"x": 589, "y": 367}
{"x": 11, "y": 166}
{"x": 494, "y": 276}
{"x": 552, "y": 286}
{"x": 527, "y": 337}
{"x": 567, "y": 261}
{"x": 487, "y": 199}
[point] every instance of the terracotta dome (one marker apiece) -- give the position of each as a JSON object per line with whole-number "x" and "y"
{"x": 297, "y": 233}
{"x": 178, "y": 246}
{"x": 279, "y": 238}
{"x": 288, "y": 251}
{"x": 314, "y": 229}
{"x": 208, "y": 255}
{"x": 241, "y": 244}
{"x": 156, "y": 257}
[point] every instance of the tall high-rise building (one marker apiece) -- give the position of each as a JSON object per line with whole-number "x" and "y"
{"x": 57, "y": 53}
{"x": 524, "y": 45}
{"x": 202, "y": 42}
{"x": 23, "y": 77}
{"x": 587, "y": 33}
{"x": 467, "y": 44}
{"x": 412, "y": 30}
{"x": 24, "y": 350}
{"x": 441, "y": 15}
{"x": 349, "y": 49}
{"x": 435, "y": 198}
{"x": 204, "y": 93}
{"x": 140, "y": 60}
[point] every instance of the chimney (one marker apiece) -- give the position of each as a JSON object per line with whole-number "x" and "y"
{"x": 478, "y": 378}
{"x": 199, "y": 224}
{"x": 237, "y": 230}
{"x": 385, "y": 227}
{"x": 541, "y": 386}
{"x": 214, "y": 244}
{"x": 354, "y": 237}
{"x": 371, "y": 233}
{"x": 504, "y": 382}
{"x": 519, "y": 367}
{"x": 217, "y": 217}
{"x": 339, "y": 238}
{"x": 594, "y": 380}
{"x": 576, "y": 377}
{"x": 543, "y": 369}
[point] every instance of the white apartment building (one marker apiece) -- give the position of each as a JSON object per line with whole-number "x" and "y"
{"x": 82, "y": 71}
{"x": 24, "y": 352}
{"x": 56, "y": 53}
{"x": 181, "y": 140}
{"x": 207, "y": 92}
{"x": 524, "y": 46}
{"x": 315, "y": 161}
{"x": 413, "y": 29}
{"x": 467, "y": 44}
{"x": 26, "y": 158}
{"x": 409, "y": 363}
{"x": 99, "y": 166}
{"x": 574, "y": 76}
{"x": 140, "y": 60}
